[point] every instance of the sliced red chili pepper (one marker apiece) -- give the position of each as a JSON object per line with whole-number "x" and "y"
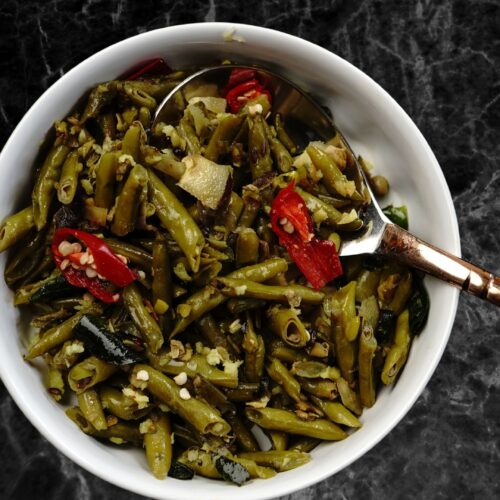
{"x": 106, "y": 262}
{"x": 78, "y": 278}
{"x": 291, "y": 222}
{"x": 244, "y": 92}
{"x": 154, "y": 67}
{"x": 238, "y": 76}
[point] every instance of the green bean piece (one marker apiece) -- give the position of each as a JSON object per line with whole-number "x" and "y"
{"x": 186, "y": 437}
{"x": 161, "y": 288}
{"x": 120, "y": 405}
{"x": 336, "y": 412}
{"x": 279, "y": 460}
{"x": 284, "y": 420}
{"x": 305, "y": 444}
{"x": 198, "y": 365}
{"x": 251, "y": 206}
{"x": 281, "y": 155}
{"x": 333, "y": 179}
{"x": 127, "y": 205}
{"x": 398, "y": 353}
{"x": 286, "y": 324}
{"x": 55, "y": 384}
{"x": 366, "y": 376}
{"x": 15, "y": 227}
{"x": 255, "y": 352}
{"x": 134, "y": 254}
{"x": 44, "y": 189}
{"x": 366, "y": 284}
{"x": 326, "y": 389}
{"x": 209, "y": 392}
{"x": 258, "y": 148}
{"x": 106, "y": 180}
{"x": 23, "y": 262}
{"x": 142, "y": 317}
{"x": 320, "y": 208}
{"x": 282, "y": 135}
{"x": 138, "y": 96}
{"x": 176, "y": 219}
{"x": 157, "y": 87}
{"x": 350, "y": 398}
{"x": 222, "y": 136}
{"x": 246, "y": 391}
{"x": 247, "y": 247}
{"x": 200, "y": 461}
{"x": 24, "y": 294}
{"x": 68, "y": 354}
{"x": 237, "y": 306}
{"x": 158, "y": 445}
{"x": 280, "y": 374}
{"x": 164, "y": 161}
{"x": 233, "y": 212}
{"x": 208, "y": 298}
{"x": 187, "y": 132}
{"x": 206, "y": 274}
{"x": 289, "y": 293}
{"x": 60, "y": 333}
{"x": 315, "y": 369}
{"x": 279, "y": 440}
{"x": 244, "y": 437}
{"x": 107, "y": 122}
{"x": 131, "y": 143}
{"x": 280, "y": 350}
{"x": 99, "y": 98}
{"x": 91, "y": 407}
{"x": 344, "y": 319}
{"x": 211, "y": 332}
{"x": 119, "y": 433}
{"x": 369, "y": 312}
{"x": 68, "y": 182}
{"x": 255, "y": 471}
{"x": 88, "y": 373}
{"x": 402, "y": 293}
{"x": 199, "y": 414}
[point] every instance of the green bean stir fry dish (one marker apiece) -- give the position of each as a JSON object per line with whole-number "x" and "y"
{"x": 185, "y": 286}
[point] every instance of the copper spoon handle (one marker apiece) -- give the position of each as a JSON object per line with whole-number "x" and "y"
{"x": 417, "y": 253}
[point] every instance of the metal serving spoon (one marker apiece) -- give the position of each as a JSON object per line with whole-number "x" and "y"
{"x": 306, "y": 120}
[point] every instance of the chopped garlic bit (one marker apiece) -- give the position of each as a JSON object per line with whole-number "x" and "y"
{"x": 142, "y": 375}
{"x": 147, "y": 427}
{"x": 184, "y": 394}
{"x": 76, "y": 347}
{"x": 260, "y": 403}
{"x": 293, "y": 298}
{"x": 230, "y": 36}
{"x": 213, "y": 357}
{"x": 231, "y": 367}
{"x": 181, "y": 379}
{"x": 116, "y": 440}
{"x": 240, "y": 290}
{"x": 141, "y": 399}
{"x": 255, "y": 109}
{"x": 235, "y": 326}
{"x": 177, "y": 349}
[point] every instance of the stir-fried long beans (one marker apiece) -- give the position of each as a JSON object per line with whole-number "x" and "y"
{"x": 168, "y": 293}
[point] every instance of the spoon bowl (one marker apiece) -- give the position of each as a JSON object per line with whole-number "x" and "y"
{"x": 305, "y": 120}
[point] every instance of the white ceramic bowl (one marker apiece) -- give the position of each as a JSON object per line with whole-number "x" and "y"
{"x": 377, "y": 128}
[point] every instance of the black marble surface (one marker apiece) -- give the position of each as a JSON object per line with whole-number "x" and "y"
{"x": 440, "y": 60}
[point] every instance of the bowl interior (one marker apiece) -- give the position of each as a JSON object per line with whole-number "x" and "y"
{"x": 377, "y": 128}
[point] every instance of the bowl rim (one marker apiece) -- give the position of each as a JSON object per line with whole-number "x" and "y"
{"x": 210, "y": 29}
